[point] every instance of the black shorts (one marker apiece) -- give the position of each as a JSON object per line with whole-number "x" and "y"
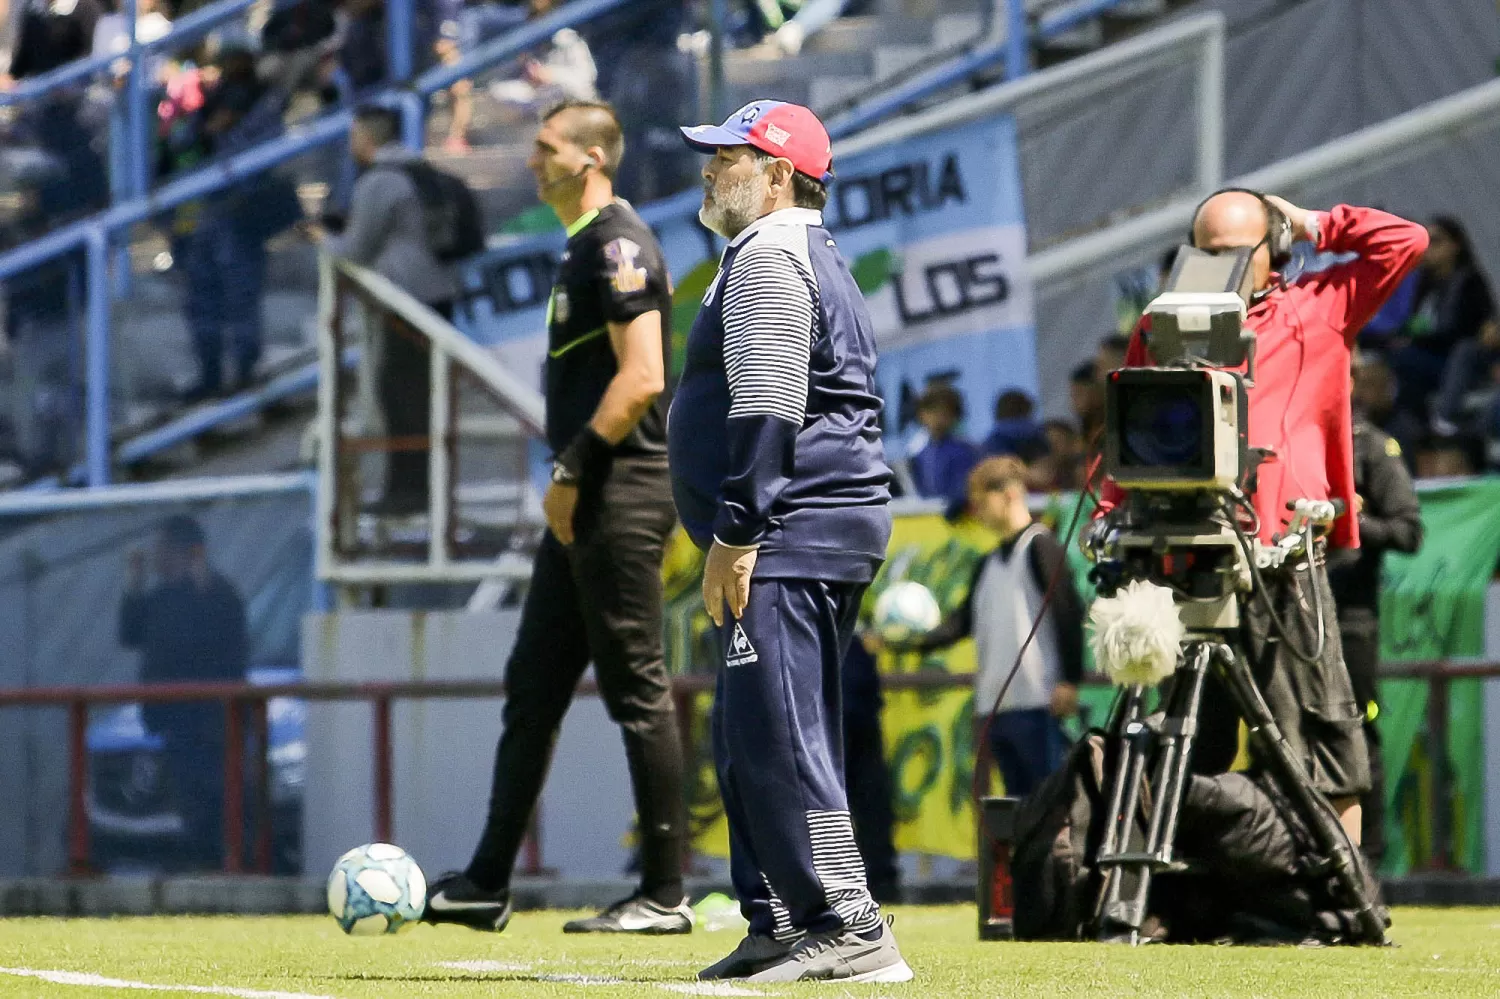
{"x": 1313, "y": 704}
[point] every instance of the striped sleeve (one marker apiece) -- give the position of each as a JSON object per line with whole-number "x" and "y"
{"x": 768, "y": 330}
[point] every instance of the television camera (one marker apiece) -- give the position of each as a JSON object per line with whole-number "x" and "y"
{"x": 1175, "y": 440}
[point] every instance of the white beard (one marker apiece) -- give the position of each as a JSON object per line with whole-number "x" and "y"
{"x": 1136, "y": 634}
{"x": 729, "y": 212}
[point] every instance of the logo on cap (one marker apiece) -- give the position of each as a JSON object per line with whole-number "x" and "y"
{"x": 750, "y": 113}
{"x": 777, "y": 135}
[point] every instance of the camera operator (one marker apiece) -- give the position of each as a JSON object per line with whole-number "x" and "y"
{"x": 1299, "y": 417}
{"x": 1390, "y": 519}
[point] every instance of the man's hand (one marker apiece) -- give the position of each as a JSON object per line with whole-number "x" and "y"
{"x": 1359, "y": 504}
{"x": 1300, "y": 218}
{"x": 726, "y": 577}
{"x": 1064, "y": 700}
{"x": 559, "y": 505}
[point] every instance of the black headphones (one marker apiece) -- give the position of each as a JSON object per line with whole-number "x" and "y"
{"x": 1278, "y": 226}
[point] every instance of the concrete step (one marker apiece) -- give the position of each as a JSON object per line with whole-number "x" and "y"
{"x": 954, "y": 30}
{"x": 892, "y": 59}
{"x": 861, "y": 34}
{"x": 747, "y": 69}
{"x": 834, "y": 91}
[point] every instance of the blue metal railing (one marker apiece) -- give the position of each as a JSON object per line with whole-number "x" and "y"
{"x": 1013, "y": 53}
{"x": 136, "y": 202}
{"x": 93, "y": 234}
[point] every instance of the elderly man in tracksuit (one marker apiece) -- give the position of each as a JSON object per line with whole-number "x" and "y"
{"x": 778, "y": 472}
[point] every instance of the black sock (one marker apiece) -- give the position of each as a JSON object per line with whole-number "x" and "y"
{"x": 668, "y": 894}
{"x": 484, "y": 883}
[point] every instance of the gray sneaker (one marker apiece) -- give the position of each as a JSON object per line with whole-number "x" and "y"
{"x": 841, "y": 956}
{"x": 756, "y": 953}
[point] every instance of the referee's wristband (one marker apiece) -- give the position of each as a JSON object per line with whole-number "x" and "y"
{"x": 587, "y": 456}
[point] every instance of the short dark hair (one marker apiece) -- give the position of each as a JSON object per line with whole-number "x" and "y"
{"x": 381, "y": 124}
{"x": 1014, "y": 405}
{"x": 182, "y": 531}
{"x": 808, "y": 192}
{"x": 941, "y": 394}
{"x": 1116, "y": 342}
{"x": 1084, "y": 374}
{"x": 595, "y": 124}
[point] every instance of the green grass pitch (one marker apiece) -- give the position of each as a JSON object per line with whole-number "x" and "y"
{"x": 1441, "y": 952}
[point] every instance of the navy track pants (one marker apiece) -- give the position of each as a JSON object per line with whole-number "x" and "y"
{"x": 779, "y": 750}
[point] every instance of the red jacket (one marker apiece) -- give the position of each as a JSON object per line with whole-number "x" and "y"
{"x": 1299, "y": 407}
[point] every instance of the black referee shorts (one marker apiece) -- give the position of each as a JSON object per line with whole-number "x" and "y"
{"x": 1312, "y": 703}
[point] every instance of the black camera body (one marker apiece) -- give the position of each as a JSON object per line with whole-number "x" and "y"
{"x": 1176, "y": 439}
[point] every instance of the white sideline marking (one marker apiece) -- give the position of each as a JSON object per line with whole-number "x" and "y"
{"x": 682, "y": 988}
{"x": 481, "y": 967}
{"x": 707, "y": 989}
{"x": 100, "y": 982}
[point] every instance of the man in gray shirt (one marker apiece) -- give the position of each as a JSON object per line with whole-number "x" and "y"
{"x": 387, "y": 232}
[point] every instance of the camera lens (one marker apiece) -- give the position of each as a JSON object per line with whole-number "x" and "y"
{"x": 1163, "y": 427}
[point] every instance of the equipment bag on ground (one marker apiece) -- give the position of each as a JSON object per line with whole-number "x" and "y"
{"x": 1254, "y": 874}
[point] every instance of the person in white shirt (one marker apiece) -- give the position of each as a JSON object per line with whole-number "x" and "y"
{"x": 1004, "y": 599}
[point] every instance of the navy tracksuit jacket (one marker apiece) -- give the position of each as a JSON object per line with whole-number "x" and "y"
{"x": 774, "y": 441}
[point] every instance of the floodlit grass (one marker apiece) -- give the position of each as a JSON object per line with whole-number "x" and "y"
{"x": 1441, "y": 952}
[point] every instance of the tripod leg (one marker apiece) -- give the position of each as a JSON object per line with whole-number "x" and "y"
{"x": 1312, "y": 807}
{"x": 1128, "y": 879}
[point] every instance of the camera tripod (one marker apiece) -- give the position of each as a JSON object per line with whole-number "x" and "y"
{"x": 1130, "y": 857}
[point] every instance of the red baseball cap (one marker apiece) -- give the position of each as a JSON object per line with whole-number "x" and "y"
{"x": 787, "y": 130}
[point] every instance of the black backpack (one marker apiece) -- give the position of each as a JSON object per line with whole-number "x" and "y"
{"x": 1058, "y": 828}
{"x": 455, "y": 226}
{"x": 1255, "y": 874}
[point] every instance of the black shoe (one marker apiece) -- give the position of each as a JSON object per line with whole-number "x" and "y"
{"x": 636, "y": 914}
{"x": 755, "y": 954}
{"x": 453, "y": 898}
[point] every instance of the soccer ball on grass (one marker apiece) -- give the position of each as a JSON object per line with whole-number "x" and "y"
{"x": 376, "y": 888}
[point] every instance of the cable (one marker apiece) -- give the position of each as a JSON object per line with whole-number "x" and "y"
{"x": 1259, "y": 589}
{"x": 1084, "y": 494}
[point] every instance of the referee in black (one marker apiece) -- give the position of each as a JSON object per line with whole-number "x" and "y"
{"x": 596, "y": 592}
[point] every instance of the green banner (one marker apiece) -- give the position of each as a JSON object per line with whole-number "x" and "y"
{"x": 1432, "y": 603}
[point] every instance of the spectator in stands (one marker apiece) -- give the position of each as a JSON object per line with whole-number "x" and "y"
{"x": 1453, "y": 301}
{"x": 563, "y": 69}
{"x": 111, "y": 38}
{"x": 1086, "y": 400}
{"x": 189, "y": 627}
{"x": 222, "y": 246}
{"x": 653, "y": 85}
{"x": 1111, "y": 355}
{"x": 942, "y": 459}
{"x": 1016, "y": 431}
{"x": 1393, "y": 315}
{"x": 41, "y": 308}
{"x": 387, "y": 231}
{"x": 53, "y": 33}
{"x": 466, "y": 25}
{"x": 1063, "y": 466}
{"x": 1440, "y": 457}
{"x": 364, "y": 47}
